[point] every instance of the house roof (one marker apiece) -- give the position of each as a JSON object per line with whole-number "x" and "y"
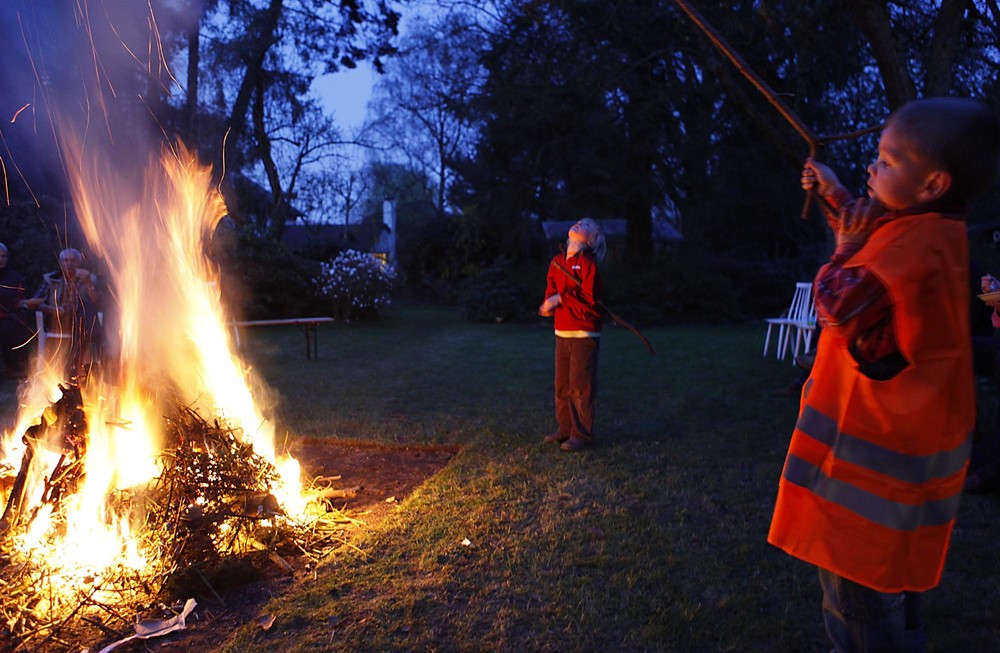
{"x": 359, "y": 236}
{"x": 662, "y": 230}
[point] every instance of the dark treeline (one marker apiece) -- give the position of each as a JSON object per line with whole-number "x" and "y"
{"x": 493, "y": 116}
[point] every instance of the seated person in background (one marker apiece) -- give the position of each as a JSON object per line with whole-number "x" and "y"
{"x": 15, "y": 329}
{"x": 71, "y": 302}
{"x": 984, "y": 462}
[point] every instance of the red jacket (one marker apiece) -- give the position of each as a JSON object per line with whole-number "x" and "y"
{"x": 578, "y": 309}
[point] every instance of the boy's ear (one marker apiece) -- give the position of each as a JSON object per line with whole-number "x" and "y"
{"x": 936, "y": 185}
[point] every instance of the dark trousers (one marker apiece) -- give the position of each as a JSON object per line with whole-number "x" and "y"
{"x": 862, "y": 620}
{"x": 576, "y": 386}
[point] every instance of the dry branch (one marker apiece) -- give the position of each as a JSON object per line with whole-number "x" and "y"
{"x": 211, "y": 504}
{"x": 812, "y": 139}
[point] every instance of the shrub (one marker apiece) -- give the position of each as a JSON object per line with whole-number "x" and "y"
{"x": 261, "y": 279}
{"x": 694, "y": 287}
{"x": 355, "y": 285}
{"x": 495, "y": 295}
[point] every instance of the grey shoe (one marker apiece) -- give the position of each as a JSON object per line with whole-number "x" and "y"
{"x": 555, "y": 438}
{"x": 573, "y": 444}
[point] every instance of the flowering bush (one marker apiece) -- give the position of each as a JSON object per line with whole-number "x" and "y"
{"x": 355, "y": 284}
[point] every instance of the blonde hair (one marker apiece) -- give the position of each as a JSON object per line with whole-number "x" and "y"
{"x": 595, "y": 241}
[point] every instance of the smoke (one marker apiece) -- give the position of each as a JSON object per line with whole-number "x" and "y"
{"x": 96, "y": 81}
{"x": 97, "y": 71}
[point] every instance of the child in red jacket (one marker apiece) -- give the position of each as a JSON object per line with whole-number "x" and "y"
{"x": 573, "y": 288}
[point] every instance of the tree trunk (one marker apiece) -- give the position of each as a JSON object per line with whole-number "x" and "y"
{"x": 638, "y": 212}
{"x": 640, "y": 137}
{"x": 279, "y": 212}
{"x": 873, "y": 20}
{"x": 941, "y": 58}
{"x": 255, "y": 63}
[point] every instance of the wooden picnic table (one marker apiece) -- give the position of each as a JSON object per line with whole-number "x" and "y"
{"x": 307, "y": 324}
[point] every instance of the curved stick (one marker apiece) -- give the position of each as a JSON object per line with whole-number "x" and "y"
{"x": 807, "y": 134}
{"x": 611, "y": 314}
{"x": 754, "y": 78}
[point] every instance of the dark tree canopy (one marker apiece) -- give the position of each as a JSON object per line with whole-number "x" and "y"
{"x": 626, "y": 110}
{"x": 509, "y": 112}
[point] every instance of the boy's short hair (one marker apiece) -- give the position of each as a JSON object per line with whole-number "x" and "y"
{"x": 958, "y": 135}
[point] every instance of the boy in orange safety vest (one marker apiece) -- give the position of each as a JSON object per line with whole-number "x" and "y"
{"x": 874, "y": 471}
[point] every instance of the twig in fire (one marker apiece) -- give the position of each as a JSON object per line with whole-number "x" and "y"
{"x": 209, "y": 510}
{"x": 63, "y": 426}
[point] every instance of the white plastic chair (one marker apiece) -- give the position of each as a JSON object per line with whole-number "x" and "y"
{"x": 44, "y": 335}
{"x": 799, "y": 320}
{"x": 804, "y": 331}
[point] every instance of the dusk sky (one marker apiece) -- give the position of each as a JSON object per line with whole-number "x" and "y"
{"x": 346, "y": 93}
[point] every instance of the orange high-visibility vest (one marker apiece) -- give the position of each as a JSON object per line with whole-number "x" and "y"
{"x": 874, "y": 471}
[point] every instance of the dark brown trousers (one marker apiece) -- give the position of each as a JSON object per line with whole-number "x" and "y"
{"x": 576, "y": 386}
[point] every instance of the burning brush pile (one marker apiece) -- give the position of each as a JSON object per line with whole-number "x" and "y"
{"x": 128, "y": 482}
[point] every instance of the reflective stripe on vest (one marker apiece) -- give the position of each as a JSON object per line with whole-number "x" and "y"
{"x": 906, "y": 468}
{"x": 888, "y": 513}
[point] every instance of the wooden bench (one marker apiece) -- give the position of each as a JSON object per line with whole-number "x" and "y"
{"x": 307, "y": 324}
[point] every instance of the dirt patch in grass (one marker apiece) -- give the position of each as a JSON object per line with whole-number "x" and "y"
{"x": 377, "y": 477}
{"x": 379, "y": 474}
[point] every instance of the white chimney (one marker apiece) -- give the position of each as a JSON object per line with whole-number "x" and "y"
{"x": 389, "y": 220}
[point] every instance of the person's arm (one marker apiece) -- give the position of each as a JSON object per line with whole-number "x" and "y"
{"x": 849, "y": 300}
{"x": 852, "y": 301}
{"x": 39, "y": 302}
{"x": 823, "y": 179}
{"x": 552, "y": 297}
{"x": 989, "y": 283}
{"x": 851, "y": 295}
{"x": 584, "y": 295}
{"x": 86, "y": 283}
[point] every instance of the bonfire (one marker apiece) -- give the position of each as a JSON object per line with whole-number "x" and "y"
{"x": 156, "y": 460}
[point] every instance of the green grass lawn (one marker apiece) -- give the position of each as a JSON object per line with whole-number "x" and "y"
{"x": 653, "y": 540}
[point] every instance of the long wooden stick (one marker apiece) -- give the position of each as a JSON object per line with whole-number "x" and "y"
{"x": 754, "y": 78}
{"x": 812, "y": 139}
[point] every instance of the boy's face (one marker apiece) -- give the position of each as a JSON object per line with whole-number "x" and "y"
{"x": 896, "y": 179}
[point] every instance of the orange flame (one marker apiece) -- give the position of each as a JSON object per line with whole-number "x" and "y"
{"x": 172, "y": 343}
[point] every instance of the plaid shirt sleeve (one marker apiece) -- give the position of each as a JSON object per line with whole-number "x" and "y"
{"x": 853, "y": 303}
